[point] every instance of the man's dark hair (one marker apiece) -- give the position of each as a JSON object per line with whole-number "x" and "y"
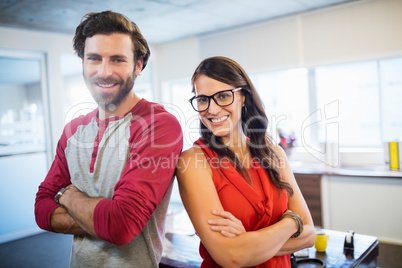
{"x": 108, "y": 22}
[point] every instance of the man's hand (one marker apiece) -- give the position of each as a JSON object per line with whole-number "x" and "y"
{"x": 80, "y": 207}
{"x": 228, "y": 226}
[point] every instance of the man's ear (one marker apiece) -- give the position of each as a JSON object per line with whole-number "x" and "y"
{"x": 138, "y": 66}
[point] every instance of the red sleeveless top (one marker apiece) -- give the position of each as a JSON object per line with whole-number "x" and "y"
{"x": 257, "y": 206}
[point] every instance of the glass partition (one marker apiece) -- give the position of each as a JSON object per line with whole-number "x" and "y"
{"x": 21, "y": 107}
{"x": 24, "y": 140}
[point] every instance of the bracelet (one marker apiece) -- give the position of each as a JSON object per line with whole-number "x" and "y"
{"x": 298, "y": 220}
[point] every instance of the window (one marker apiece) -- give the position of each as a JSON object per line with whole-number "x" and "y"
{"x": 354, "y": 107}
{"x": 285, "y": 95}
{"x": 369, "y": 96}
{"x": 143, "y": 84}
{"x": 176, "y": 101}
{"x": 391, "y": 99}
{"x": 350, "y": 93}
{"x": 22, "y": 108}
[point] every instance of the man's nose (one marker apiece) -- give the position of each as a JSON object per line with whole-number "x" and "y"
{"x": 105, "y": 70}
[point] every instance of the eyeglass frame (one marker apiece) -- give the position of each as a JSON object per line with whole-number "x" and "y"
{"x": 212, "y": 97}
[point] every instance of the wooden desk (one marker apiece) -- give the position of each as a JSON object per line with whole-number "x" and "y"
{"x": 182, "y": 251}
{"x": 364, "y": 255}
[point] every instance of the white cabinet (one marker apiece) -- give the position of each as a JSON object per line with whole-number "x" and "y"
{"x": 366, "y": 205}
{"x": 20, "y": 178}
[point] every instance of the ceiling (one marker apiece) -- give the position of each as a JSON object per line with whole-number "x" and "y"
{"x": 159, "y": 20}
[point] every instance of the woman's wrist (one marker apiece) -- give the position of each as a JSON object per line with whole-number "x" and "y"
{"x": 297, "y": 219}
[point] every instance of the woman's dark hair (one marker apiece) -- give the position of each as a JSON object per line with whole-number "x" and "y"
{"x": 253, "y": 117}
{"x": 108, "y": 22}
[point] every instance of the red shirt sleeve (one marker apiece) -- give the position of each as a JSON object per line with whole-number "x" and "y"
{"x": 57, "y": 178}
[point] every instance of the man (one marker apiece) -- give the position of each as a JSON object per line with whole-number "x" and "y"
{"x": 111, "y": 179}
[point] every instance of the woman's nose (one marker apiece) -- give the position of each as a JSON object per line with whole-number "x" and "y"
{"x": 213, "y": 107}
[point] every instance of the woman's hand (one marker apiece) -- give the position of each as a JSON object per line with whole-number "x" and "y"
{"x": 228, "y": 226}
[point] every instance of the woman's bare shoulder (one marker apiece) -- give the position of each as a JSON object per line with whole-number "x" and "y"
{"x": 194, "y": 152}
{"x": 190, "y": 157}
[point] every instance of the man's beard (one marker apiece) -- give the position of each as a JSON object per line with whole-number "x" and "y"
{"x": 110, "y": 100}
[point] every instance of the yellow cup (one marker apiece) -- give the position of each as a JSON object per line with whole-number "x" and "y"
{"x": 321, "y": 240}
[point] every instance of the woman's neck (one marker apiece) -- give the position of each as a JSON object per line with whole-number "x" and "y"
{"x": 238, "y": 144}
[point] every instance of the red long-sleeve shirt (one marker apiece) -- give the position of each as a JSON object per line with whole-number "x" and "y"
{"x": 129, "y": 160}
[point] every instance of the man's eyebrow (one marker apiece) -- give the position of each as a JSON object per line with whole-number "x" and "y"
{"x": 92, "y": 55}
{"x": 118, "y": 57}
{"x": 113, "y": 56}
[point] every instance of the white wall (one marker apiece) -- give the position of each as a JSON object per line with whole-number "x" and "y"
{"x": 177, "y": 59}
{"x": 364, "y": 30}
{"x": 260, "y": 47}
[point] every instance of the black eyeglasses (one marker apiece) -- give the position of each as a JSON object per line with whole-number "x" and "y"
{"x": 222, "y": 98}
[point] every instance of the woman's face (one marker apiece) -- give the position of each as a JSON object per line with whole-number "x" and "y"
{"x": 225, "y": 121}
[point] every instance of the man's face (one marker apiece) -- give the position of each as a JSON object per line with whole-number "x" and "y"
{"x": 109, "y": 69}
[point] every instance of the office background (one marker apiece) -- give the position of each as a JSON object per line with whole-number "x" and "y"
{"x": 360, "y": 31}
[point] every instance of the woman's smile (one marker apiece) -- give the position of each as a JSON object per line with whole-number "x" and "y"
{"x": 218, "y": 120}
{"x": 221, "y": 120}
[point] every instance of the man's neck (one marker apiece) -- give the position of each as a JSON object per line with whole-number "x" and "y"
{"x": 121, "y": 109}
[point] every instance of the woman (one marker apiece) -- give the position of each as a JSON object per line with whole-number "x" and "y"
{"x": 236, "y": 185}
